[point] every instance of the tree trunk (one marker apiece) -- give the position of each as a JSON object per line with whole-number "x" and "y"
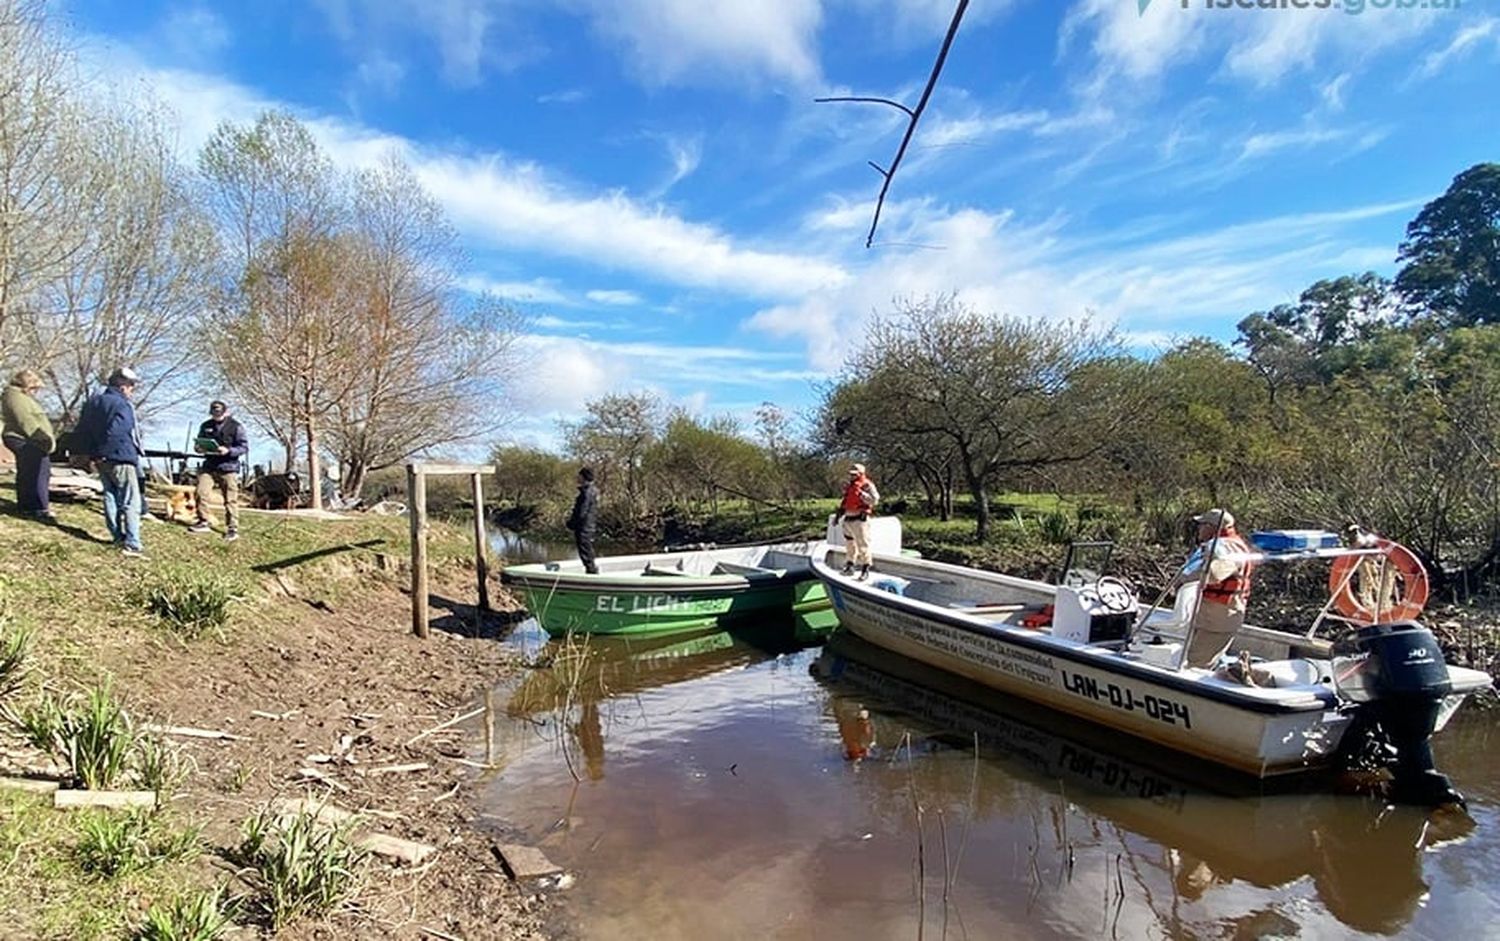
{"x": 314, "y": 466}
{"x": 354, "y": 481}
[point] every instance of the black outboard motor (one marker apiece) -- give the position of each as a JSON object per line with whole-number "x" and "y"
{"x": 1397, "y": 674}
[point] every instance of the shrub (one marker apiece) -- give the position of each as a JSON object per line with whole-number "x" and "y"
{"x": 113, "y": 845}
{"x": 161, "y": 765}
{"x": 206, "y": 915}
{"x": 94, "y": 736}
{"x": 189, "y": 604}
{"x": 15, "y": 650}
{"x": 300, "y": 866}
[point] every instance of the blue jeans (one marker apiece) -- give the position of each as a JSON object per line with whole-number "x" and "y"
{"x": 122, "y": 503}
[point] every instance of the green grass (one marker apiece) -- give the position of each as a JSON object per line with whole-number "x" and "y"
{"x": 46, "y": 894}
{"x": 203, "y": 915}
{"x": 112, "y": 844}
{"x": 15, "y": 650}
{"x": 300, "y": 866}
{"x": 91, "y": 732}
{"x": 189, "y": 603}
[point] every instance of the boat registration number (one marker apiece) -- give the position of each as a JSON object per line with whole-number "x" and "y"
{"x": 1123, "y": 698}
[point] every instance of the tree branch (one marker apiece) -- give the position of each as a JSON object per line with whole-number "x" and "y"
{"x": 913, "y": 116}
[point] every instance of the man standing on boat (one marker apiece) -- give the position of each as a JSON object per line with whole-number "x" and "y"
{"x": 1224, "y": 586}
{"x": 584, "y": 521}
{"x": 860, "y": 497}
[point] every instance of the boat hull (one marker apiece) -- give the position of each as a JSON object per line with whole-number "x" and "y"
{"x": 1252, "y": 732}
{"x": 651, "y": 608}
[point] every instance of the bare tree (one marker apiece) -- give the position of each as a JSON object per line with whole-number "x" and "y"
{"x": 434, "y": 371}
{"x": 287, "y": 294}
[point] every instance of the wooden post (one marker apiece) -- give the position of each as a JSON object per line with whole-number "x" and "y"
{"x": 416, "y": 509}
{"x": 489, "y": 728}
{"x": 481, "y": 551}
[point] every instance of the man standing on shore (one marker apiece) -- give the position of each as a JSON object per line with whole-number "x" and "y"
{"x": 584, "y": 520}
{"x": 222, "y": 442}
{"x": 107, "y": 433}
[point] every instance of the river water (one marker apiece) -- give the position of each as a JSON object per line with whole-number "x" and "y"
{"x": 726, "y": 786}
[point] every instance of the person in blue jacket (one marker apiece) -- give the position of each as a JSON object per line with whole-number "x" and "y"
{"x": 108, "y": 434}
{"x": 222, "y": 442}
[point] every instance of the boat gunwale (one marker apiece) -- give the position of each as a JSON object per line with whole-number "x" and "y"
{"x": 1109, "y": 661}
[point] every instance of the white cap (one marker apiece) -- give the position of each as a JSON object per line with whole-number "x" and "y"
{"x": 124, "y": 376}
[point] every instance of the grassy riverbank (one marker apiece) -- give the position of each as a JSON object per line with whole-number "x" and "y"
{"x": 295, "y": 643}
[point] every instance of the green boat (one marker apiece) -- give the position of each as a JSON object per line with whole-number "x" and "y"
{"x": 675, "y": 592}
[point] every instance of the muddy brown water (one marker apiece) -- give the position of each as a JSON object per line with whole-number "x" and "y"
{"x": 725, "y": 786}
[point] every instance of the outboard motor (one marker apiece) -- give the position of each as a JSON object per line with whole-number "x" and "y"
{"x": 1397, "y": 675}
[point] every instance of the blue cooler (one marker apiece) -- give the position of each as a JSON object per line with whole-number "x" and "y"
{"x": 1293, "y": 540}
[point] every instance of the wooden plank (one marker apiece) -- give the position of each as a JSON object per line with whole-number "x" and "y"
{"x": 68, "y": 800}
{"x": 434, "y": 469}
{"x": 381, "y": 844}
{"x": 525, "y": 862}
{"x": 416, "y": 501}
{"x": 29, "y": 785}
{"x": 481, "y": 554}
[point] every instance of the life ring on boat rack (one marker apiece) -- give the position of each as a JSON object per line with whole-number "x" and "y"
{"x": 1379, "y": 589}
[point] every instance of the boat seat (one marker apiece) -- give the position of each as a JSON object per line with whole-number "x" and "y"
{"x": 734, "y": 568}
{"x": 653, "y": 570}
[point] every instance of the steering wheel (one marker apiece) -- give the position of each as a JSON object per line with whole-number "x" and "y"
{"x": 1115, "y": 594}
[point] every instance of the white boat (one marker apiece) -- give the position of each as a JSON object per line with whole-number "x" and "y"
{"x": 1077, "y": 647}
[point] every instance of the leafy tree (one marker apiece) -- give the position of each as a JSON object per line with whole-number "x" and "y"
{"x": 1011, "y": 397}
{"x": 531, "y": 476}
{"x": 1452, "y": 251}
{"x": 709, "y": 457}
{"x": 1300, "y": 344}
{"x": 614, "y": 437}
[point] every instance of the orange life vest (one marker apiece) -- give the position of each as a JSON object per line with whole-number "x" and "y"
{"x": 1236, "y": 585}
{"x": 854, "y": 498}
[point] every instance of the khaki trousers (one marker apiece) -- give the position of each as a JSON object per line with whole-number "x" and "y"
{"x": 857, "y": 540}
{"x": 227, "y": 483}
{"x": 1214, "y": 628}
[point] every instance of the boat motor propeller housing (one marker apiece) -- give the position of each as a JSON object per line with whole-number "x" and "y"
{"x": 1396, "y": 675}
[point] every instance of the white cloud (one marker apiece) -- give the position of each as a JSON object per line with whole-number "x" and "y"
{"x": 691, "y": 42}
{"x": 192, "y": 34}
{"x": 919, "y": 21}
{"x": 686, "y": 152}
{"x": 1466, "y": 40}
{"x": 1183, "y": 284}
{"x": 459, "y": 29}
{"x": 614, "y": 298}
{"x": 1132, "y": 45}
{"x": 520, "y": 206}
{"x": 568, "y": 96}
{"x": 536, "y": 291}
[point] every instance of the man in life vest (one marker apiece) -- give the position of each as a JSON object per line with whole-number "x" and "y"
{"x": 1224, "y": 586}
{"x": 860, "y": 497}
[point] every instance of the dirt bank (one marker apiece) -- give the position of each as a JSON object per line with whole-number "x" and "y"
{"x": 319, "y": 682}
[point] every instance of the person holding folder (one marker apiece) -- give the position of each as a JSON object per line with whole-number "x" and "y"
{"x": 222, "y": 442}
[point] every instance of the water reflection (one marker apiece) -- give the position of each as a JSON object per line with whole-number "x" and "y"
{"x": 730, "y": 785}
{"x": 1364, "y": 859}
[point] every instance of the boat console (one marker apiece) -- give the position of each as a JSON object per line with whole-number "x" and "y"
{"x": 1101, "y": 613}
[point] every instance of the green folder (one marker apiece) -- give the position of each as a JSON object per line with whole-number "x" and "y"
{"x": 207, "y": 445}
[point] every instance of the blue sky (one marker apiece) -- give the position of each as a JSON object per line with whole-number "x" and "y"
{"x": 652, "y": 181}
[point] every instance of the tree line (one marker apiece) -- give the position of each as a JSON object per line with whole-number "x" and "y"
{"x": 324, "y": 301}
{"x": 1367, "y": 400}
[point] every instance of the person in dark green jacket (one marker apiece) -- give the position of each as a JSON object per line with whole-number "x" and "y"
{"x": 28, "y": 434}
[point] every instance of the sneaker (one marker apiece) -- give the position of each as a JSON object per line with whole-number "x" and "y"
{"x": 231, "y": 535}
{"x": 848, "y": 569}
{"x": 200, "y": 527}
{"x": 864, "y": 572}
{"x": 130, "y": 553}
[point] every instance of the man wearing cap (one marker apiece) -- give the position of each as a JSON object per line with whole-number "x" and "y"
{"x": 222, "y": 442}
{"x": 1224, "y": 587}
{"x": 107, "y": 433}
{"x": 860, "y": 497}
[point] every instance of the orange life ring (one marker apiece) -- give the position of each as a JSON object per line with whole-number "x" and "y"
{"x": 1379, "y": 589}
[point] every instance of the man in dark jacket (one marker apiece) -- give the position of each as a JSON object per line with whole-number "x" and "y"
{"x": 584, "y": 521}
{"x": 108, "y": 434}
{"x": 222, "y": 442}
